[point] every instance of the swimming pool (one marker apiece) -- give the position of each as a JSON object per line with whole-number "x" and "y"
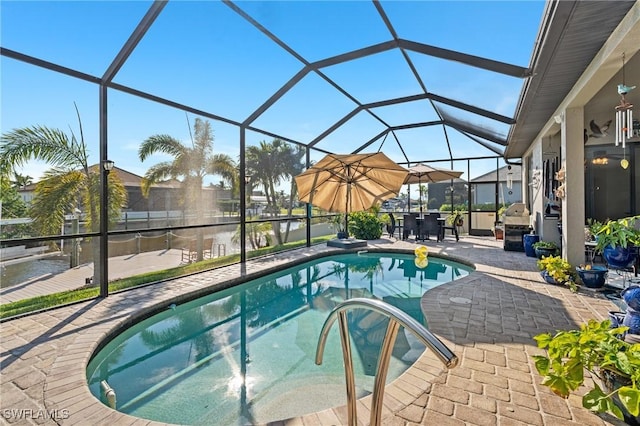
{"x": 245, "y": 355}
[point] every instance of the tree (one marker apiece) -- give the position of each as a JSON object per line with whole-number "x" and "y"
{"x": 190, "y": 165}
{"x": 269, "y": 164}
{"x": 11, "y": 206}
{"x": 255, "y": 232}
{"x": 293, "y": 165}
{"x": 70, "y": 183}
{"x": 424, "y": 198}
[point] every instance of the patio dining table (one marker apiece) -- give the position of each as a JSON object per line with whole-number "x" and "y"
{"x": 420, "y": 236}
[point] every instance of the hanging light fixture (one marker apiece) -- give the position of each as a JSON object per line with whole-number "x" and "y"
{"x": 600, "y": 158}
{"x": 624, "y": 115}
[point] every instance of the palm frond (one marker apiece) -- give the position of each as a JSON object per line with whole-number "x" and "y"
{"x": 81, "y": 146}
{"x": 161, "y": 144}
{"x": 224, "y": 166}
{"x": 39, "y": 143}
{"x": 55, "y": 196}
{"x": 117, "y": 197}
{"x": 203, "y": 142}
{"x": 158, "y": 173}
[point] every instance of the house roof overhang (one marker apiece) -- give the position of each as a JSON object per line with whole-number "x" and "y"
{"x": 578, "y": 49}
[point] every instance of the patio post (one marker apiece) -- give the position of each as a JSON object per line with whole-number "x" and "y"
{"x": 572, "y": 159}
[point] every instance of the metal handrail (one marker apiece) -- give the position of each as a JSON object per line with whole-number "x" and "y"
{"x": 397, "y": 318}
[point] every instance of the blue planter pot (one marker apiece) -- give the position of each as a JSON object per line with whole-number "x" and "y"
{"x": 529, "y": 240}
{"x": 545, "y": 275}
{"x": 611, "y": 382}
{"x": 618, "y": 257}
{"x": 594, "y": 277}
{"x": 544, "y": 252}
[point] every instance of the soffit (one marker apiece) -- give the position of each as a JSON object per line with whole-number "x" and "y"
{"x": 575, "y": 31}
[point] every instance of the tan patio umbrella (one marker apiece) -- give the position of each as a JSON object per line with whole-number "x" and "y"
{"x": 422, "y": 173}
{"x": 350, "y": 182}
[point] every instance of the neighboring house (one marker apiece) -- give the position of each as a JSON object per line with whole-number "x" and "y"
{"x": 163, "y": 196}
{"x": 27, "y": 193}
{"x": 439, "y": 193}
{"x": 509, "y": 186}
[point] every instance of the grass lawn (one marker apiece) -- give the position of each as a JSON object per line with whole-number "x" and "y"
{"x": 38, "y": 303}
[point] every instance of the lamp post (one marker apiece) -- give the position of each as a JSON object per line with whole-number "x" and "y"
{"x": 107, "y": 165}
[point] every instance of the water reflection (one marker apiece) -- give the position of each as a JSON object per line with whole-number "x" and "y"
{"x": 19, "y": 272}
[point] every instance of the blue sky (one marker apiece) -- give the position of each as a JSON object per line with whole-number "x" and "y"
{"x": 205, "y": 55}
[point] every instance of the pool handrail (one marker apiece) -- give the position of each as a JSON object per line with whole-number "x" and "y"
{"x": 397, "y": 317}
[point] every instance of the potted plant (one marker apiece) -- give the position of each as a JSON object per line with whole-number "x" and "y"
{"x": 596, "y": 348}
{"x": 556, "y": 270}
{"x": 616, "y": 239}
{"x": 498, "y": 230}
{"x": 592, "y": 276}
{"x": 592, "y": 228}
{"x": 339, "y": 226}
{"x": 456, "y": 218}
{"x": 545, "y": 249}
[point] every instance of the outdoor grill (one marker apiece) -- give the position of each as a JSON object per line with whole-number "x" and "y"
{"x": 515, "y": 221}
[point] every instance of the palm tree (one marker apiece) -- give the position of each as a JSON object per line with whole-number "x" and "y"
{"x": 70, "y": 183}
{"x": 255, "y": 232}
{"x": 292, "y": 165}
{"x": 270, "y": 163}
{"x": 423, "y": 191}
{"x": 190, "y": 164}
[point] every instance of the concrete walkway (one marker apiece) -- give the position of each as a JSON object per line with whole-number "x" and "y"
{"x": 488, "y": 318}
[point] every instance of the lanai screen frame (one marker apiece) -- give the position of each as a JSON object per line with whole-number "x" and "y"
{"x": 474, "y": 133}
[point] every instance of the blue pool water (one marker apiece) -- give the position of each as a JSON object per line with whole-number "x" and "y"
{"x": 246, "y": 355}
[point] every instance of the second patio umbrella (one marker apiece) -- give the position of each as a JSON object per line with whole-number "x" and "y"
{"x": 350, "y": 182}
{"x": 422, "y": 173}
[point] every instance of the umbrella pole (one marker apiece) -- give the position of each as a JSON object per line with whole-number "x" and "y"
{"x": 346, "y": 209}
{"x": 420, "y": 193}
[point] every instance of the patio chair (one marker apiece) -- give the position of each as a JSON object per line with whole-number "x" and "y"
{"x": 444, "y": 227}
{"x": 409, "y": 225}
{"x": 391, "y": 226}
{"x": 430, "y": 225}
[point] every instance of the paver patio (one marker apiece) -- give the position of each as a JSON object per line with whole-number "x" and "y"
{"x": 487, "y": 318}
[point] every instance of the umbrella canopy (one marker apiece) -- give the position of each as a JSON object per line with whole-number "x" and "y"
{"x": 422, "y": 173}
{"x": 350, "y": 182}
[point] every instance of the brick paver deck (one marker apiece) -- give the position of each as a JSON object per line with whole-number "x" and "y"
{"x": 487, "y": 318}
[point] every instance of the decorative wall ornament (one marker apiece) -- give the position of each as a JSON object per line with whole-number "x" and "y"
{"x": 599, "y": 131}
{"x": 624, "y": 163}
{"x": 561, "y": 191}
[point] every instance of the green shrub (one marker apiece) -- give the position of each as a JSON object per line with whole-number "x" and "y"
{"x": 365, "y": 225}
{"x": 447, "y": 207}
{"x": 546, "y": 245}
